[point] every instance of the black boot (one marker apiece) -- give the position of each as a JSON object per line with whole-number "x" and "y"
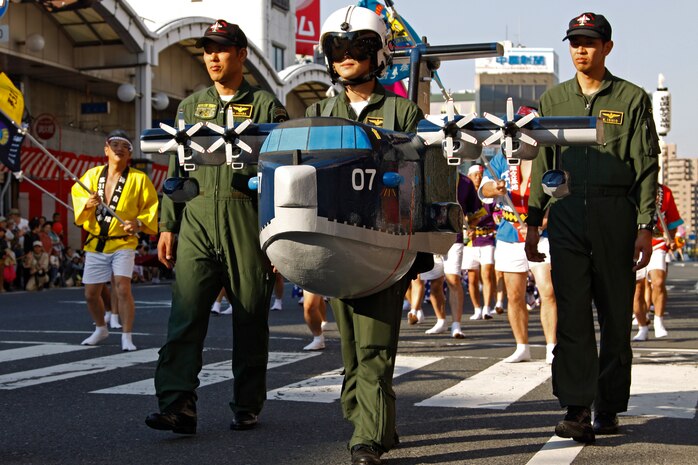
{"x": 605, "y": 423}
{"x": 576, "y": 425}
{"x": 179, "y": 417}
{"x": 362, "y": 454}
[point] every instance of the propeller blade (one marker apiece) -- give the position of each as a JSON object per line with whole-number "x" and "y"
{"x": 497, "y": 136}
{"x": 192, "y": 130}
{"x": 526, "y": 119}
{"x": 464, "y": 136}
{"x": 466, "y": 119}
{"x": 242, "y": 126}
{"x": 449, "y": 110}
{"x": 449, "y": 147}
{"x": 510, "y": 109}
{"x": 243, "y": 146}
{"x": 168, "y": 129}
{"x": 229, "y": 118}
{"x": 180, "y": 154}
{"x": 431, "y": 138}
{"x": 493, "y": 119}
{"x": 220, "y": 141}
{"x": 168, "y": 146}
{"x": 180, "y": 121}
{"x": 214, "y": 127}
{"x": 525, "y": 138}
{"x": 509, "y": 146}
{"x": 228, "y": 153}
{"x": 196, "y": 147}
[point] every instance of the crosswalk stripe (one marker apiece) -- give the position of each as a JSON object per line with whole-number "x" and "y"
{"x": 326, "y": 387}
{"x": 663, "y": 390}
{"x": 557, "y": 451}
{"x": 39, "y": 350}
{"x": 74, "y": 369}
{"x": 210, "y": 374}
{"x": 496, "y": 388}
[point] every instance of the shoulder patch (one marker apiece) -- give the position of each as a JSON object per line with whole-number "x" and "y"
{"x": 242, "y": 110}
{"x": 611, "y": 117}
{"x": 205, "y": 110}
{"x": 280, "y": 115}
{"x": 374, "y": 121}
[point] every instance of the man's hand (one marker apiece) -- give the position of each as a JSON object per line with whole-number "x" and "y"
{"x": 166, "y": 249}
{"x": 494, "y": 188}
{"x": 531, "y": 247}
{"x": 131, "y": 227}
{"x": 643, "y": 249}
{"x": 92, "y": 201}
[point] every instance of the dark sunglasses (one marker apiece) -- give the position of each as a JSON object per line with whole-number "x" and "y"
{"x": 359, "y": 45}
{"x": 180, "y": 189}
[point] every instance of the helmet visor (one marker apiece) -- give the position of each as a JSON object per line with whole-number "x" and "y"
{"x": 360, "y": 45}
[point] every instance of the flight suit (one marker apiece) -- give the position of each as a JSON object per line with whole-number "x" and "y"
{"x": 218, "y": 246}
{"x": 369, "y": 326}
{"x": 592, "y": 233}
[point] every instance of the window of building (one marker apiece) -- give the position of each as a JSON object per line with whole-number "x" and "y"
{"x": 279, "y": 61}
{"x": 281, "y": 4}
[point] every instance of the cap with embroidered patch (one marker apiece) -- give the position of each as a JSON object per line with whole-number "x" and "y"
{"x": 224, "y": 33}
{"x": 590, "y": 25}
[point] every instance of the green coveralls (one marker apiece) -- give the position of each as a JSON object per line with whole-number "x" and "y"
{"x": 592, "y": 235}
{"x": 218, "y": 246}
{"x": 369, "y": 327}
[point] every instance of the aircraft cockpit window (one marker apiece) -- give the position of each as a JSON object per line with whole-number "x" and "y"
{"x": 316, "y": 138}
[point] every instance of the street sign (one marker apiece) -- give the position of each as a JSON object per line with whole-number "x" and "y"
{"x": 4, "y": 5}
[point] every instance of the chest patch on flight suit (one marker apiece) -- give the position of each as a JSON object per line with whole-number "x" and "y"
{"x": 611, "y": 117}
{"x": 242, "y": 110}
{"x": 205, "y": 110}
{"x": 374, "y": 121}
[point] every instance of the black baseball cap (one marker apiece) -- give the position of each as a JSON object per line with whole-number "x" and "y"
{"x": 224, "y": 33}
{"x": 590, "y": 25}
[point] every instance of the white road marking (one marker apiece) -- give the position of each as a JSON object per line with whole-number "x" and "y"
{"x": 40, "y": 350}
{"x": 664, "y": 391}
{"x": 327, "y": 387}
{"x": 74, "y": 369}
{"x": 557, "y": 451}
{"x": 210, "y": 374}
{"x": 496, "y": 388}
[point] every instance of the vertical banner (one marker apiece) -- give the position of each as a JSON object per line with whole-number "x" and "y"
{"x": 307, "y": 26}
{"x": 11, "y": 110}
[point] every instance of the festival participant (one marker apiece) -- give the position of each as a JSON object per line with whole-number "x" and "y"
{"x": 110, "y": 247}
{"x": 663, "y": 242}
{"x": 355, "y": 42}
{"x": 217, "y": 247}
{"x": 600, "y": 234}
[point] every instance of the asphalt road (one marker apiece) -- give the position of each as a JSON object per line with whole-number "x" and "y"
{"x": 63, "y": 403}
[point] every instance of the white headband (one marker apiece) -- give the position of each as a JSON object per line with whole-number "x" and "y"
{"x": 475, "y": 169}
{"x": 130, "y": 145}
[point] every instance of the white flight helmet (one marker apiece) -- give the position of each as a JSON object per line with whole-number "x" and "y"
{"x": 359, "y": 33}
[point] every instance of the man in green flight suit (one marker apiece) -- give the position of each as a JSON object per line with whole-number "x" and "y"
{"x": 218, "y": 247}
{"x": 599, "y": 234}
{"x": 355, "y": 43}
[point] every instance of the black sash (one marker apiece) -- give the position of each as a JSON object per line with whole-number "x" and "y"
{"x": 104, "y": 218}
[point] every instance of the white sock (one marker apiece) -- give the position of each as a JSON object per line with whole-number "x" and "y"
{"x": 521, "y": 354}
{"x": 323, "y": 325}
{"x": 659, "y": 329}
{"x": 642, "y": 333}
{"x": 216, "y": 307}
{"x": 455, "y": 326}
{"x": 486, "y": 310}
{"x": 114, "y": 321}
{"x": 126, "y": 342}
{"x": 100, "y": 334}
{"x": 456, "y": 331}
{"x": 499, "y": 304}
{"x": 549, "y": 352}
{"x": 318, "y": 343}
{"x": 477, "y": 314}
{"x": 420, "y": 316}
{"x": 439, "y": 327}
{"x": 107, "y": 318}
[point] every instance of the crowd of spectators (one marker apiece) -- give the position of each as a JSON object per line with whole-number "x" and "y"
{"x": 33, "y": 255}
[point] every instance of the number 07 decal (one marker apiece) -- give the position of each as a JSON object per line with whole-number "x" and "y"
{"x": 358, "y": 178}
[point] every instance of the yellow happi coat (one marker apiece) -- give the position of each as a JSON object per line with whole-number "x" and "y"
{"x": 139, "y": 201}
